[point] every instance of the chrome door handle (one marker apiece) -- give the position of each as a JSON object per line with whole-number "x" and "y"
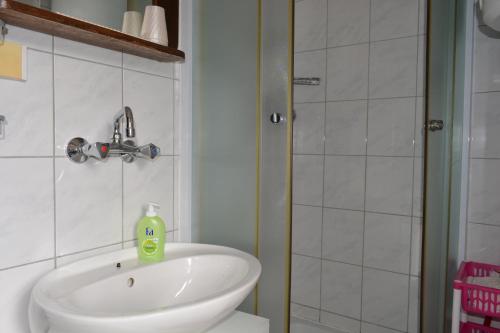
{"x": 435, "y": 125}
{"x": 277, "y": 118}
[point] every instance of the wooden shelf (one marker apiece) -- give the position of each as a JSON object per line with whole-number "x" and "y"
{"x": 26, "y": 16}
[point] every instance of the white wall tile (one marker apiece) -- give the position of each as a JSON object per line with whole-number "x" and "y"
{"x": 310, "y": 25}
{"x": 393, "y": 68}
{"x": 389, "y": 185}
{"x": 306, "y": 280}
{"x": 27, "y": 218}
{"x": 348, "y": 22}
{"x": 345, "y": 132}
{"x": 485, "y": 126}
{"x": 486, "y": 69}
{"x": 27, "y": 107}
{"x": 347, "y": 72}
{"x": 422, "y": 17}
{"x": 344, "y": 324}
{"x": 147, "y": 181}
{"x": 304, "y": 312}
{"x": 387, "y": 242}
{"x": 418, "y": 186}
{"x": 88, "y": 202}
{"x": 484, "y": 191}
{"x": 61, "y": 261}
{"x": 308, "y": 128}
{"x": 87, "y": 97}
{"x": 177, "y": 116}
{"x": 89, "y": 196}
{"x": 393, "y": 19}
{"x": 170, "y": 237}
{"x": 341, "y": 289}
{"x": 306, "y": 230}
{"x": 310, "y": 64}
{"x": 150, "y": 66}
{"x": 483, "y": 243}
{"x": 344, "y": 182}
{"x": 88, "y": 52}
{"x": 391, "y": 123}
{"x": 177, "y": 192}
{"x": 385, "y": 299}
{"x": 308, "y": 180}
{"x": 414, "y": 308}
{"x": 419, "y": 126}
{"x": 370, "y": 328}
{"x": 343, "y": 235}
{"x": 17, "y": 284}
{"x": 32, "y": 39}
{"x": 416, "y": 246}
{"x": 154, "y": 115}
{"x": 421, "y": 66}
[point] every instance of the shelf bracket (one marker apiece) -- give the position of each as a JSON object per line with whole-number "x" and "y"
{"x": 3, "y": 31}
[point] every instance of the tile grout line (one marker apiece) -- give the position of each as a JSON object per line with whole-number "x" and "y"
{"x": 354, "y": 265}
{"x": 174, "y": 183}
{"x": 357, "y": 44}
{"x": 366, "y": 162}
{"x": 122, "y": 162}
{"x": 363, "y": 155}
{"x": 54, "y": 195}
{"x": 370, "y": 211}
{"x": 469, "y": 132}
{"x": 122, "y": 66}
{"x": 346, "y": 317}
{"x": 324, "y": 172}
{"x": 387, "y": 98}
{"x": 7, "y": 268}
{"x": 413, "y": 175}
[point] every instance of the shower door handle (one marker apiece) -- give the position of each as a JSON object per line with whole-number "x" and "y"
{"x": 435, "y": 125}
{"x": 277, "y": 118}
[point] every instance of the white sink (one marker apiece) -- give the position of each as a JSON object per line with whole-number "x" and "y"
{"x": 194, "y": 288}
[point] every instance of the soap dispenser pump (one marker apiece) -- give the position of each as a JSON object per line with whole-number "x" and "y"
{"x": 151, "y": 236}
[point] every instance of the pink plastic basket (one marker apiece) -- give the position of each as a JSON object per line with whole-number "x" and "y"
{"x": 476, "y": 328}
{"x": 478, "y": 299}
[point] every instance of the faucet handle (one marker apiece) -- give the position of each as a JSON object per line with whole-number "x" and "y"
{"x": 149, "y": 151}
{"x": 79, "y": 150}
{"x": 98, "y": 150}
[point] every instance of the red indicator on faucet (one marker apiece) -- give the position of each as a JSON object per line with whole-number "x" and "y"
{"x": 104, "y": 149}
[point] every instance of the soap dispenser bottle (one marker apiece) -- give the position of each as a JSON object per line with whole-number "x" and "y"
{"x": 151, "y": 236}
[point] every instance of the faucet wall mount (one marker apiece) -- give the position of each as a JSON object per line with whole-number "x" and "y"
{"x": 79, "y": 150}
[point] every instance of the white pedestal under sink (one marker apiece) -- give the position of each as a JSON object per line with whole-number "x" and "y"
{"x": 242, "y": 323}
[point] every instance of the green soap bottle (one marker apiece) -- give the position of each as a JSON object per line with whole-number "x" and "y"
{"x": 151, "y": 236}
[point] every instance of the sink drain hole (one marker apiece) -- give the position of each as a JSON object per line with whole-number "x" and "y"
{"x": 130, "y": 282}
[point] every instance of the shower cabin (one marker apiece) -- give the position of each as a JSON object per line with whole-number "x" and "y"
{"x": 323, "y": 138}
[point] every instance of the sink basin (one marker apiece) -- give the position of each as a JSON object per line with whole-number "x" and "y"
{"x": 194, "y": 288}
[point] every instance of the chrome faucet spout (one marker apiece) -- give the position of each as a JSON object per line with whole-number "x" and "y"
{"x": 129, "y": 125}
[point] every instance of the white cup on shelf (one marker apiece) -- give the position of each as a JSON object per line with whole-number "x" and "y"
{"x": 490, "y": 10}
{"x": 132, "y": 22}
{"x": 154, "y": 26}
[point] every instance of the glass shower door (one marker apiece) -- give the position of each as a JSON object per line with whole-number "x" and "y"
{"x": 443, "y": 136}
{"x": 242, "y": 139}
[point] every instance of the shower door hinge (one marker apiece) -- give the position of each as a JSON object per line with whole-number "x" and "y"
{"x": 435, "y": 125}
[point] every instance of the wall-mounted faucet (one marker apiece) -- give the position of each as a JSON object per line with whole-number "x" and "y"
{"x": 79, "y": 150}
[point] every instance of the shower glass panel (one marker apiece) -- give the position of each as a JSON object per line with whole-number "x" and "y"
{"x": 242, "y": 64}
{"x": 357, "y": 165}
{"x": 225, "y": 106}
{"x": 439, "y": 260}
